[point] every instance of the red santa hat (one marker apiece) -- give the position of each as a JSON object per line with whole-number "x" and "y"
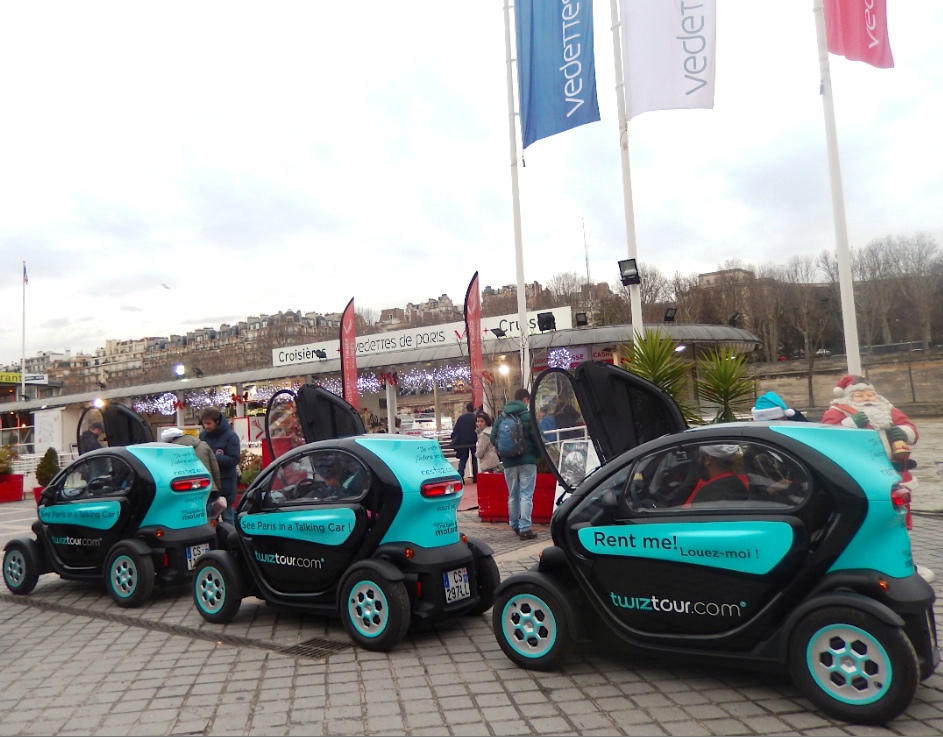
{"x": 849, "y": 384}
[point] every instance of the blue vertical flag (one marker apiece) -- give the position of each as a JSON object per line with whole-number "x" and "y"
{"x": 556, "y": 69}
{"x": 25, "y": 277}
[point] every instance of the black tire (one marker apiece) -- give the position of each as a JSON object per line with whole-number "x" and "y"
{"x": 375, "y": 610}
{"x": 21, "y": 566}
{"x": 129, "y": 576}
{"x": 218, "y": 589}
{"x": 531, "y": 627}
{"x": 853, "y": 666}
{"x": 488, "y": 578}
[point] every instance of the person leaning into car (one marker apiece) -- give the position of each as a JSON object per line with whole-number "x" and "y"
{"x": 720, "y": 480}
{"x": 218, "y": 434}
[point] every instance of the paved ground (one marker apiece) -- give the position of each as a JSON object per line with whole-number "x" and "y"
{"x": 72, "y": 663}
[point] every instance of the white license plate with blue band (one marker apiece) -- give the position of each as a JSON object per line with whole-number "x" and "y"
{"x": 456, "y": 585}
{"x": 193, "y": 554}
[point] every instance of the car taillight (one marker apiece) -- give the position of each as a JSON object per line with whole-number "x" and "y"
{"x": 900, "y": 499}
{"x": 194, "y": 483}
{"x": 900, "y": 496}
{"x": 440, "y": 488}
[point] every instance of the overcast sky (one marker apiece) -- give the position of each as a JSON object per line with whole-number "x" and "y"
{"x": 166, "y": 167}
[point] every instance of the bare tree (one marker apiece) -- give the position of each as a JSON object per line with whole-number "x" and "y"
{"x": 916, "y": 261}
{"x": 764, "y": 302}
{"x": 688, "y": 298}
{"x": 807, "y": 302}
{"x": 566, "y": 288}
{"x": 875, "y": 288}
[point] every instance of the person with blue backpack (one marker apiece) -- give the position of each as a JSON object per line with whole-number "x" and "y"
{"x": 513, "y": 437}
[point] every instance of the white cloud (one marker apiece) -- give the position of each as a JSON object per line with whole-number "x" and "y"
{"x": 260, "y": 158}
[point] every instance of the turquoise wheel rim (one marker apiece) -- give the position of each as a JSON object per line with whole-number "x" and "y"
{"x": 529, "y": 626}
{"x": 124, "y": 576}
{"x": 368, "y": 609}
{"x": 849, "y": 664}
{"x": 210, "y": 587}
{"x": 14, "y": 568}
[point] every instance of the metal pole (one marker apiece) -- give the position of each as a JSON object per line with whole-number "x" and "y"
{"x": 635, "y": 292}
{"x": 845, "y": 280}
{"x": 516, "y": 205}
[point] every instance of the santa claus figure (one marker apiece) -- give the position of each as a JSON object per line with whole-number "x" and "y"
{"x": 856, "y": 404}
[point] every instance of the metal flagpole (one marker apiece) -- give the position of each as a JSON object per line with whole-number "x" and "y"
{"x": 845, "y": 280}
{"x": 635, "y": 291}
{"x": 516, "y": 203}
{"x": 23, "y": 344}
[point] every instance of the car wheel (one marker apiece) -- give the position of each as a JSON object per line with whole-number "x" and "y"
{"x": 853, "y": 666}
{"x": 375, "y": 610}
{"x": 21, "y": 566}
{"x": 531, "y": 627}
{"x": 129, "y": 576}
{"x": 488, "y": 578}
{"x": 217, "y": 588}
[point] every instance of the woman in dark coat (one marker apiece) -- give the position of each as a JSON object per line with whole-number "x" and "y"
{"x": 218, "y": 434}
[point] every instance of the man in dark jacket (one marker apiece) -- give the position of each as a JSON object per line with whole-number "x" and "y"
{"x": 225, "y": 444}
{"x": 520, "y": 472}
{"x": 464, "y": 440}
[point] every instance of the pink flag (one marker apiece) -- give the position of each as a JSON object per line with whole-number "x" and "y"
{"x": 349, "y": 355}
{"x": 857, "y": 30}
{"x": 473, "y": 336}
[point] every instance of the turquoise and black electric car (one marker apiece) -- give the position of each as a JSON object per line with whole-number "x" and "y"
{"x": 780, "y": 545}
{"x": 350, "y": 524}
{"x": 131, "y": 514}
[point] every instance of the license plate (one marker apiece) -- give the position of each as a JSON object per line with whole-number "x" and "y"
{"x": 193, "y": 554}
{"x": 456, "y": 585}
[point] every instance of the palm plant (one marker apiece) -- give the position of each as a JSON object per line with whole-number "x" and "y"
{"x": 653, "y": 356}
{"x": 723, "y": 381}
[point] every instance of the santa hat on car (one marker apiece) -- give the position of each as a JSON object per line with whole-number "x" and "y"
{"x": 771, "y": 407}
{"x": 849, "y": 384}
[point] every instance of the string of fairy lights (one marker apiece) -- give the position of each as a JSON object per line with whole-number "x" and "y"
{"x": 413, "y": 381}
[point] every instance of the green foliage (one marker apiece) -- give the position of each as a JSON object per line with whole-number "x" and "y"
{"x": 48, "y": 466}
{"x": 653, "y": 357}
{"x": 8, "y": 454}
{"x": 723, "y": 380}
{"x": 250, "y": 466}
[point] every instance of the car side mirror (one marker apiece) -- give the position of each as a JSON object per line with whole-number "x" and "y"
{"x": 608, "y": 500}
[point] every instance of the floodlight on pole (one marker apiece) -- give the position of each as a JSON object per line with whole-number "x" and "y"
{"x": 498, "y": 333}
{"x": 628, "y": 271}
{"x": 180, "y": 370}
{"x": 198, "y": 372}
{"x": 670, "y": 314}
{"x": 546, "y": 321}
{"x": 320, "y": 353}
{"x": 581, "y": 319}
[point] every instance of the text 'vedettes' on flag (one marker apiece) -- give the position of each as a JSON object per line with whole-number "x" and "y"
{"x": 857, "y": 30}
{"x": 556, "y": 69}
{"x": 668, "y": 54}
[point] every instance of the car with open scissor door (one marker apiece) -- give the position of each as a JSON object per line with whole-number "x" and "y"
{"x": 344, "y": 523}
{"x": 131, "y": 514}
{"x": 773, "y": 545}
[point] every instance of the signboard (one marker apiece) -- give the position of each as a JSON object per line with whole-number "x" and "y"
{"x": 14, "y": 377}
{"x": 425, "y": 337}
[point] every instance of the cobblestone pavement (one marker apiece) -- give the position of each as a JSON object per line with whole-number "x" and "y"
{"x": 73, "y": 663}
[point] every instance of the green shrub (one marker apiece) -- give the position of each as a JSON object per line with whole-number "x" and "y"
{"x": 8, "y": 454}
{"x": 48, "y": 466}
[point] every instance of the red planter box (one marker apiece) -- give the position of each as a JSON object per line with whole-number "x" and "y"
{"x": 11, "y": 487}
{"x": 493, "y": 498}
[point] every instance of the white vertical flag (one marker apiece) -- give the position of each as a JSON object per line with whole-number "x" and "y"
{"x": 668, "y": 52}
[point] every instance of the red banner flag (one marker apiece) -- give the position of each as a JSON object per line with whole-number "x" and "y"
{"x": 473, "y": 336}
{"x": 349, "y": 355}
{"x": 857, "y": 30}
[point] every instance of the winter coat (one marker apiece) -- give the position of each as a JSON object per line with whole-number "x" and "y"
{"x": 465, "y": 434}
{"x": 485, "y": 452}
{"x": 206, "y": 455}
{"x": 225, "y": 444}
{"x": 88, "y": 441}
{"x": 531, "y": 448}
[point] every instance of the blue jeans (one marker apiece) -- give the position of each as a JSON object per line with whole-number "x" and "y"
{"x": 521, "y": 481}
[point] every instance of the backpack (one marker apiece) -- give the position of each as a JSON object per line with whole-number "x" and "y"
{"x": 509, "y": 441}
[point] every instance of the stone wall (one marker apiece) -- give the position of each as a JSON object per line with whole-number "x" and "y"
{"x": 913, "y": 379}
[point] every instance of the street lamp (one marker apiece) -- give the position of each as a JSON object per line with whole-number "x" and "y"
{"x": 180, "y": 370}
